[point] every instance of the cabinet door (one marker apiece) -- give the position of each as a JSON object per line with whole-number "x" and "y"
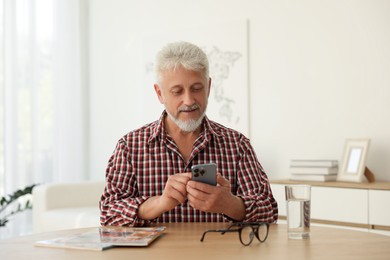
{"x": 340, "y": 204}
{"x": 379, "y": 201}
{"x": 279, "y": 195}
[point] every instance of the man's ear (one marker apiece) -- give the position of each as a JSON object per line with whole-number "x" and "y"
{"x": 159, "y": 93}
{"x": 208, "y": 94}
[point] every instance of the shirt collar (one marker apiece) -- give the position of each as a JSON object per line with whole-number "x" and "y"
{"x": 209, "y": 128}
{"x": 158, "y": 129}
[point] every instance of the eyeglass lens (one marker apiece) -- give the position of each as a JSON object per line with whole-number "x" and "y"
{"x": 262, "y": 232}
{"x": 247, "y": 233}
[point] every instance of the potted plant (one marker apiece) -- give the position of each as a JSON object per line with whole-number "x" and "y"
{"x": 6, "y": 203}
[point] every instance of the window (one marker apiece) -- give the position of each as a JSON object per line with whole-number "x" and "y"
{"x": 42, "y": 94}
{"x": 26, "y": 139}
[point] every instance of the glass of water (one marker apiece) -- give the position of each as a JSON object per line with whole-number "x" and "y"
{"x": 298, "y": 211}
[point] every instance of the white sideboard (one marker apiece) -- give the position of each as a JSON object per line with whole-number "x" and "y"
{"x": 379, "y": 207}
{"x": 363, "y": 205}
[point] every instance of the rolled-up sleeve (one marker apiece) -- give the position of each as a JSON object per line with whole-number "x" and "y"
{"x": 253, "y": 187}
{"x": 120, "y": 200}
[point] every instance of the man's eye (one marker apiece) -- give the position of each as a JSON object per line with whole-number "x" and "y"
{"x": 197, "y": 88}
{"x": 176, "y": 92}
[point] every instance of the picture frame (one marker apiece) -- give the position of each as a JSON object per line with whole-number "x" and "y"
{"x": 354, "y": 159}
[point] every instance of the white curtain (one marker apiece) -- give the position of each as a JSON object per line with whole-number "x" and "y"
{"x": 44, "y": 93}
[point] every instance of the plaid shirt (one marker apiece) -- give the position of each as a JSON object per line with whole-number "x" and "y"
{"x": 143, "y": 159}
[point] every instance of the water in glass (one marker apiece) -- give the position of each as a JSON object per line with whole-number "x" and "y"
{"x": 298, "y": 221}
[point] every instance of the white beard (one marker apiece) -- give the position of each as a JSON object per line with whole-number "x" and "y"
{"x": 189, "y": 125}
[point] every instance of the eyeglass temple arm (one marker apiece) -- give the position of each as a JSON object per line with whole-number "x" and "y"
{"x": 222, "y": 231}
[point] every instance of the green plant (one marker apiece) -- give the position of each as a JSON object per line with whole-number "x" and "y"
{"x": 7, "y": 201}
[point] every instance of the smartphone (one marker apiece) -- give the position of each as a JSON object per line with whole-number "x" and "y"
{"x": 206, "y": 173}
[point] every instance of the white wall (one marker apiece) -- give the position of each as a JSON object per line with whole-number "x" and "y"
{"x": 319, "y": 72}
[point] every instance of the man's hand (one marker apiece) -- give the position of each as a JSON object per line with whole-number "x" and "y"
{"x": 215, "y": 199}
{"x": 174, "y": 193}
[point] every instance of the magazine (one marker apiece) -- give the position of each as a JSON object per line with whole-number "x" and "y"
{"x": 102, "y": 238}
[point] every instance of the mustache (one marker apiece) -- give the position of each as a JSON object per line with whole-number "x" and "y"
{"x": 188, "y": 108}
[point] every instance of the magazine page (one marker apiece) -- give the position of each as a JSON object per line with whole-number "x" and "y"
{"x": 88, "y": 241}
{"x": 125, "y": 236}
{"x": 102, "y": 238}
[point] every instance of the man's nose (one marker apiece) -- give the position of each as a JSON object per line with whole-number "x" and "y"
{"x": 188, "y": 98}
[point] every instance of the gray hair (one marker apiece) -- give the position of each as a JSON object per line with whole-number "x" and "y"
{"x": 185, "y": 54}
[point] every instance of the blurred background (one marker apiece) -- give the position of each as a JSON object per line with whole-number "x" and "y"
{"x": 72, "y": 79}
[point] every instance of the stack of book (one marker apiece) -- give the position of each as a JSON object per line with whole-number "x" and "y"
{"x": 314, "y": 170}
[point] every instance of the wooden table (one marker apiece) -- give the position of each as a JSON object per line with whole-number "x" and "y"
{"x": 181, "y": 241}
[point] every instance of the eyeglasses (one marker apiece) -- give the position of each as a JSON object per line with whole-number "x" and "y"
{"x": 246, "y": 231}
